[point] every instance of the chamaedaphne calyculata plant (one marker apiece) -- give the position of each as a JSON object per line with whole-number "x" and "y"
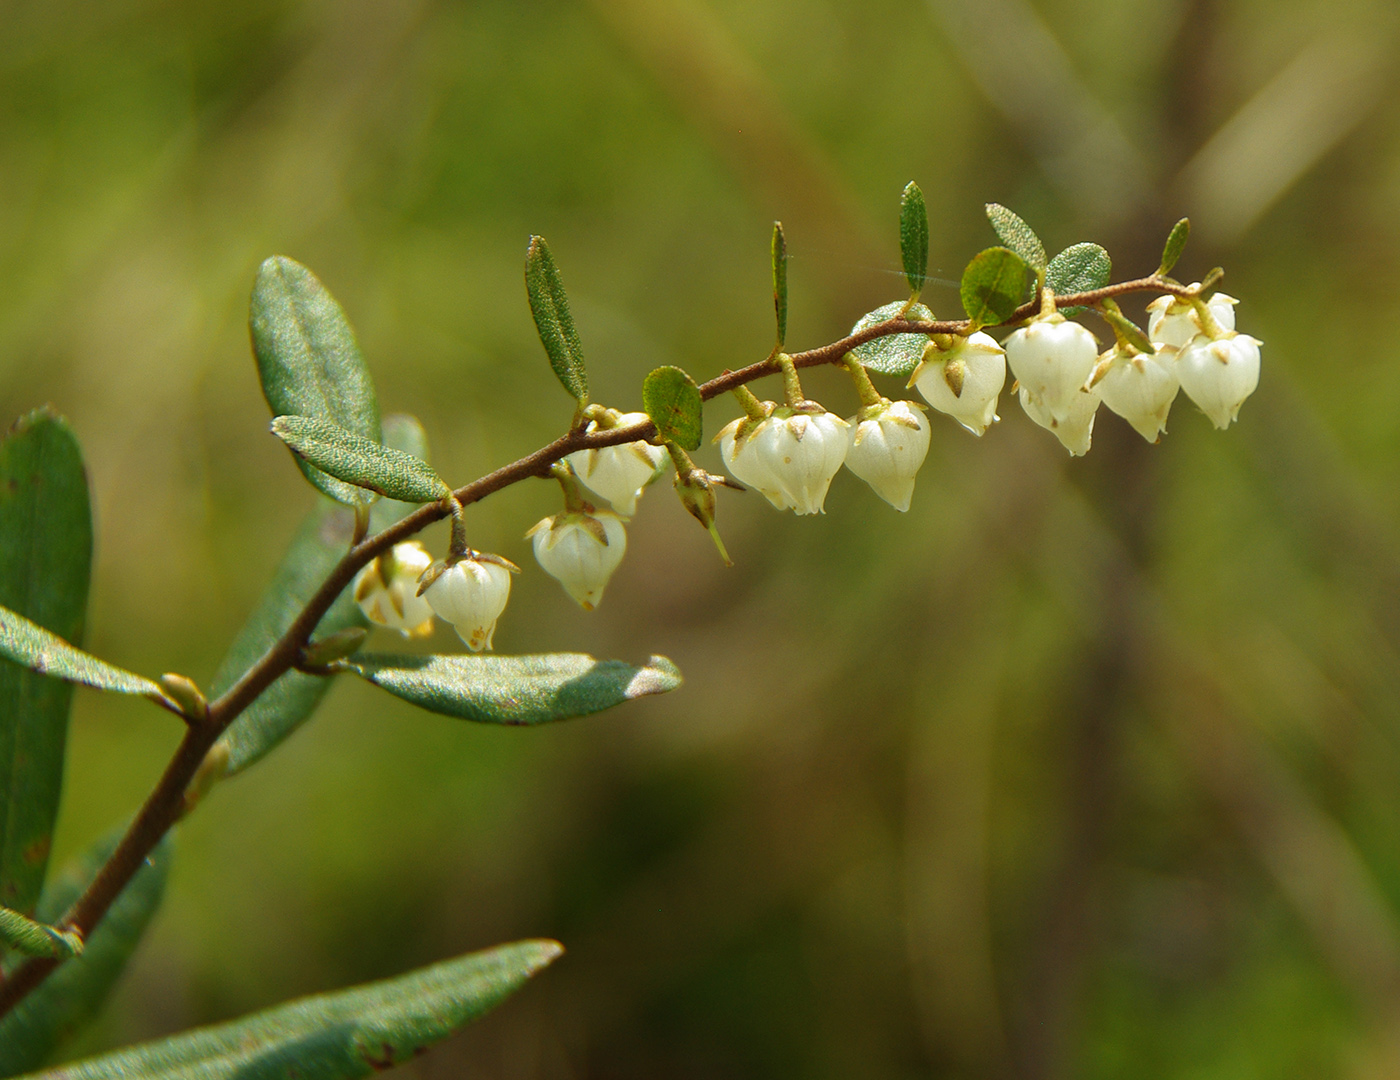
{"x": 355, "y": 565}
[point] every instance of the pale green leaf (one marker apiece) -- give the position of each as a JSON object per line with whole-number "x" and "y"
{"x": 29, "y": 645}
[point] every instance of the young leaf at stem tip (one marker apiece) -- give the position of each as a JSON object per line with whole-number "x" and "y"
{"x": 1019, "y": 237}
{"x": 913, "y": 236}
{"x": 550, "y": 306}
{"x": 1079, "y": 268}
{"x": 35, "y": 938}
{"x": 672, "y": 400}
{"x": 1176, "y": 241}
{"x": 780, "y": 292}
{"x": 993, "y": 285}
{"x": 359, "y": 461}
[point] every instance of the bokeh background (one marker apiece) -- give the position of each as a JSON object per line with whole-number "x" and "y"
{"x": 1082, "y": 768}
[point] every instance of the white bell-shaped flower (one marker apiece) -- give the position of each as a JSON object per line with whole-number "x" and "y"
{"x": 964, "y": 381}
{"x": 471, "y": 594}
{"x": 1076, "y": 429}
{"x": 1219, "y": 375}
{"x": 1052, "y": 359}
{"x": 387, "y": 590}
{"x": 789, "y": 456}
{"x": 888, "y": 444}
{"x": 1173, "y": 321}
{"x": 619, "y": 473}
{"x": 1139, "y": 387}
{"x": 581, "y": 550}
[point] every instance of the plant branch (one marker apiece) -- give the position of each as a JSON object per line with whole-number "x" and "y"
{"x": 166, "y": 802}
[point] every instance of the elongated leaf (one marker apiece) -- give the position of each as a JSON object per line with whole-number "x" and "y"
{"x": 1176, "y": 243}
{"x": 401, "y": 432}
{"x": 347, "y": 1034}
{"x": 45, "y": 561}
{"x": 309, "y": 360}
{"x": 672, "y": 400}
{"x": 288, "y": 703}
{"x": 993, "y": 286}
{"x": 780, "y": 288}
{"x": 70, "y": 997}
{"x": 31, "y": 646}
{"x": 913, "y": 236}
{"x": 359, "y": 461}
{"x": 1081, "y": 268}
{"x": 1018, "y": 236}
{"x": 516, "y": 689}
{"x": 550, "y": 306}
{"x": 893, "y": 354}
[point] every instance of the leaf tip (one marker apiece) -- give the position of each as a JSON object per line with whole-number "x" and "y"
{"x": 659, "y": 676}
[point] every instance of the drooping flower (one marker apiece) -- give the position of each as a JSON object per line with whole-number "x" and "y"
{"x": 964, "y": 381}
{"x": 618, "y": 473}
{"x": 1218, "y": 375}
{"x": 1052, "y": 359}
{"x": 471, "y": 594}
{"x": 581, "y": 550}
{"x": 1174, "y": 321}
{"x": 387, "y": 590}
{"x": 1075, "y": 429}
{"x": 1139, "y": 387}
{"x": 888, "y": 443}
{"x": 789, "y": 455}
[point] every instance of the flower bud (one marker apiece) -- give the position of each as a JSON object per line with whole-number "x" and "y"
{"x": 387, "y": 590}
{"x": 619, "y": 473}
{"x": 964, "y": 381}
{"x": 1076, "y": 429}
{"x": 1219, "y": 375}
{"x": 888, "y": 443}
{"x": 471, "y": 594}
{"x": 581, "y": 550}
{"x": 789, "y": 456}
{"x": 1139, "y": 387}
{"x": 1052, "y": 359}
{"x": 1174, "y": 321}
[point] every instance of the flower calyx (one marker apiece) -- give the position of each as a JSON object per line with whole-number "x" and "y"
{"x": 696, "y": 489}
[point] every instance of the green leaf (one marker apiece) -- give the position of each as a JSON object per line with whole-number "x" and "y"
{"x": 893, "y": 354}
{"x": 1077, "y": 269}
{"x": 45, "y": 561}
{"x": 359, "y": 461}
{"x": 672, "y": 400}
{"x": 780, "y": 289}
{"x": 1176, "y": 241}
{"x": 288, "y": 703}
{"x": 309, "y": 360}
{"x": 402, "y": 432}
{"x": 69, "y": 998}
{"x": 31, "y": 646}
{"x": 35, "y": 938}
{"x": 1018, "y": 236}
{"x": 516, "y": 689}
{"x": 350, "y": 1033}
{"x": 550, "y": 307}
{"x": 913, "y": 236}
{"x": 993, "y": 286}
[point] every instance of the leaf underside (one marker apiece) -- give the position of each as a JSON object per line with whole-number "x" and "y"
{"x": 894, "y": 354}
{"x": 1017, "y": 235}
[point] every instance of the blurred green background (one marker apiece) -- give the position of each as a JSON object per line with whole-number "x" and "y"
{"x": 1083, "y": 768}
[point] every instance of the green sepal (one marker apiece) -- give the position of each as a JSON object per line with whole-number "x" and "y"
{"x": 70, "y": 997}
{"x": 359, "y": 461}
{"x": 1079, "y": 268}
{"x": 45, "y": 563}
{"x": 993, "y": 286}
{"x": 516, "y": 689}
{"x": 1019, "y": 237}
{"x": 672, "y": 401}
{"x": 337, "y": 1036}
{"x": 31, "y": 646}
{"x": 780, "y": 284}
{"x": 893, "y": 354}
{"x": 35, "y": 938}
{"x": 309, "y": 361}
{"x": 550, "y": 306}
{"x": 1176, "y": 242}
{"x": 913, "y": 236}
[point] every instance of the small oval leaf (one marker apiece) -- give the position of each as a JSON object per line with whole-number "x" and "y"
{"x": 349, "y": 1033}
{"x": 516, "y": 689}
{"x": 913, "y": 236}
{"x": 1077, "y": 269}
{"x": 780, "y": 286}
{"x": 1018, "y": 236}
{"x": 550, "y": 306}
{"x": 29, "y": 645}
{"x": 359, "y": 461}
{"x": 1176, "y": 242}
{"x": 672, "y": 401}
{"x": 309, "y": 360}
{"x": 993, "y": 286}
{"x": 893, "y": 354}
